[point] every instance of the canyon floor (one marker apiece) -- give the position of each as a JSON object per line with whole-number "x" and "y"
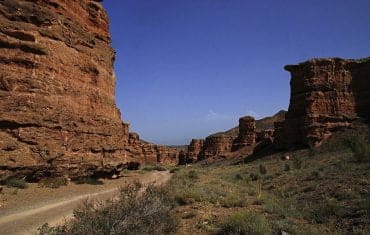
{"x": 325, "y": 190}
{"x": 23, "y": 211}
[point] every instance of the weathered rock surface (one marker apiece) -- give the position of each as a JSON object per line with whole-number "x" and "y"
{"x": 225, "y": 144}
{"x": 326, "y": 94}
{"x": 247, "y": 133}
{"x": 57, "y": 93}
{"x": 58, "y": 113}
{"x": 146, "y": 153}
{"x": 216, "y": 145}
{"x": 194, "y": 149}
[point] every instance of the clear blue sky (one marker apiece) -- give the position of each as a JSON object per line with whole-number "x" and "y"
{"x": 189, "y": 68}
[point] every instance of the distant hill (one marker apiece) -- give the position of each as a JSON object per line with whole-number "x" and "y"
{"x": 261, "y": 124}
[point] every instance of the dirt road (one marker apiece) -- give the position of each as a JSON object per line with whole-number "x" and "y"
{"x": 29, "y": 215}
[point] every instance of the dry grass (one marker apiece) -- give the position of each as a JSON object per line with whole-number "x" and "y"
{"x": 134, "y": 212}
{"x": 320, "y": 191}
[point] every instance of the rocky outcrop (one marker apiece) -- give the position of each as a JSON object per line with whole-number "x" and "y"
{"x": 326, "y": 94}
{"x": 247, "y": 133}
{"x": 216, "y": 145}
{"x": 225, "y": 144}
{"x": 57, "y": 93}
{"x": 194, "y": 149}
{"x": 147, "y": 153}
{"x": 58, "y": 114}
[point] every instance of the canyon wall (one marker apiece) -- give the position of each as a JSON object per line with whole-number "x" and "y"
{"x": 247, "y": 133}
{"x": 57, "y": 88}
{"x": 194, "y": 149}
{"x": 326, "y": 94}
{"x": 57, "y": 93}
{"x": 225, "y": 144}
{"x": 147, "y": 153}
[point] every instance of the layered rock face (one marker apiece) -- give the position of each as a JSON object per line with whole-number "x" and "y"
{"x": 57, "y": 88}
{"x": 226, "y": 143}
{"x": 247, "y": 133}
{"x": 326, "y": 94}
{"x": 194, "y": 149}
{"x": 145, "y": 153}
{"x": 216, "y": 145}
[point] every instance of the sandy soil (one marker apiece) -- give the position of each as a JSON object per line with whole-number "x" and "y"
{"x": 22, "y": 211}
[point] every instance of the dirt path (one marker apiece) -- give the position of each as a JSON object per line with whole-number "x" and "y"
{"x": 25, "y": 219}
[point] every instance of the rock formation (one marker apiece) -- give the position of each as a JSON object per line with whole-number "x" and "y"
{"x": 216, "y": 145}
{"x": 194, "y": 149}
{"x": 225, "y": 144}
{"x": 326, "y": 94}
{"x": 247, "y": 133}
{"x": 146, "y": 153}
{"x": 57, "y": 92}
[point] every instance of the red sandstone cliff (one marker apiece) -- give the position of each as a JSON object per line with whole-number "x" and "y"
{"x": 151, "y": 153}
{"x": 58, "y": 113}
{"x": 326, "y": 94}
{"x": 239, "y": 141}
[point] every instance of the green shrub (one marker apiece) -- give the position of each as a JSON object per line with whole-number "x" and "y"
{"x": 175, "y": 169}
{"x": 360, "y": 147}
{"x": 263, "y": 169}
{"x": 232, "y": 200}
{"x": 286, "y": 167}
{"x": 153, "y": 168}
{"x": 254, "y": 176}
{"x": 90, "y": 180}
{"x": 53, "y": 182}
{"x": 16, "y": 183}
{"x": 239, "y": 177}
{"x": 246, "y": 223}
{"x": 297, "y": 163}
{"x": 315, "y": 175}
{"x": 329, "y": 208}
{"x": 147, "y": 212}
{"x": 193, "y": 175}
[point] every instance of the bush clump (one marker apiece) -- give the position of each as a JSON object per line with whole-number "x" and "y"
{"x": 90, "y": 180}
{"x": 134, "y": 212}
{"x": 16, "y": 183}
{"x": 193, "y": 175}
{"x": 360, "y": 147}
{"x": 53, "y": 182}
{"x": 153, "y": 168}
{"x": 297, "y": 163}
{"x": 263, "y": 169}
{"x": 254, "y": 176}
{"x": 286, "y": 167}
{"x": 246, "y": 223}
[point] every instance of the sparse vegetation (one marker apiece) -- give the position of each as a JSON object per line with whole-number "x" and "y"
{"x": 193, "y": 175}
{"x": 90, "y": 180}
{"x": 153, "y": 168}
{"x": 53, "y": 182}
{"x": 320, "y": 191}
{"x": 174, "y": 169}
{"x": 262, "y": 169}
{"x": 16, "y": 183}
{"x": 286, "y": 167}
{"x": 360, "y": 147}
{"x": 254, "y": 176}
{"x": 246, "y": 223}
{"x": 133, "y": 213}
